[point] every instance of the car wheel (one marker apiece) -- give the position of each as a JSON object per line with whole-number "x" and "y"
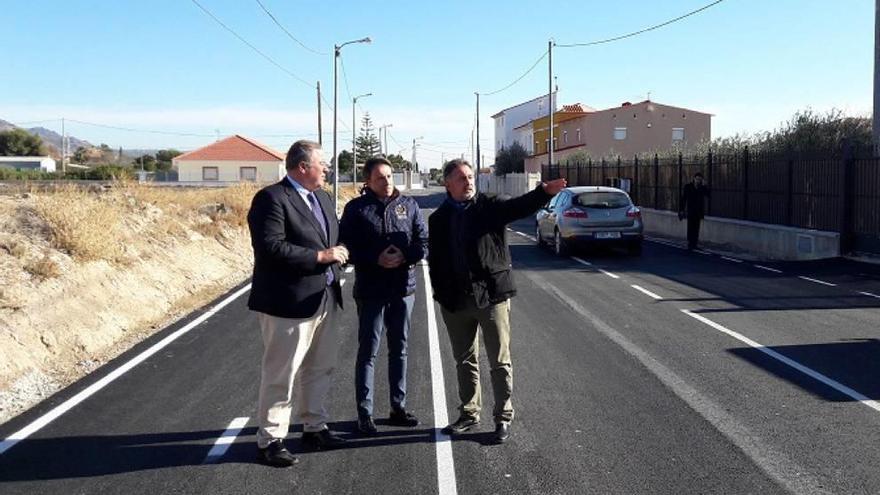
{"x": 538, "y": 240}
{"x": 559, "y": 244}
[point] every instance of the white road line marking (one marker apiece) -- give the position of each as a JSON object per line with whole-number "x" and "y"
{"x": 581, "y": 261}
{"x": 70, "y": 403}
{"x": 349, "y": 269}
{"x": 222, "y": 444}
{"x": 774, "y": 270}
{"x": 731, "y": 259}
{"x": 701, "y": 251}
{"x": 829, "y": 284}
{"x": 445, "y": 464}
{"x": 869, "y": 294}
{"x": 790, "y": 362}
{"x": 776, "y": 464}
{"x": 612, "y": 275}
{"x": 531, "y": 238}
{"x": 665, "y": 243}
{"x": 646, "y": 292}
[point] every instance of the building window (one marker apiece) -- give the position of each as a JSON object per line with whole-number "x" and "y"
{"x": 210, "y": 173}
{"x": 619, "y": 133}
{"x": 579, "y": 135}
{"x": 248, "y": 173}
{"x": 677, "y": 134}
{"x": 565, "y": 137}
{"x": 546, "y": 145}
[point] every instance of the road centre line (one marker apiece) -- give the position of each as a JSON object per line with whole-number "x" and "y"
{"x": 869, "y": 294}
{"x": 702, "y": 252}
{"x": 829, "y": 284}
{"x": 646, "y": 292}
{"x": 226, "y": 439}
{"x": 776, "y": 464}
{"x": 767, "y": 268}
{"x": 612, "y": 275}
{"x": 731, "y": 259}
{"x": 790, "y": 362}
{"x": 445, "y": 464}
{"x": 70, "y": 403}
{"x": 581, "y": 261}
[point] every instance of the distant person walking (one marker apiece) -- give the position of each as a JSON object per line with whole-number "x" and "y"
{"x": 693, "y": 207}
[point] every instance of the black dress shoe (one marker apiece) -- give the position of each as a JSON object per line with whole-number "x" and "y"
{"x": 400, "y": 417}
{"x": 322, "y": 440}
{"x": 462, "y": 425}
{"x": 502, "y": 432}
{"x": 366, "y": 426}
{"x": 276, "y": 455}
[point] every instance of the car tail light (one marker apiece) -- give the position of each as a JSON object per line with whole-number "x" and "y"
{"x": 634, "y": 212}
{"x": 575, "y": 214}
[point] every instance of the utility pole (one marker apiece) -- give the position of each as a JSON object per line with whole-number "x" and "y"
{"x": 320, "y": 136}
{"x": 478, "y": 142}
{"x": 550, "y": 44}
{"x": 876, "y": 117}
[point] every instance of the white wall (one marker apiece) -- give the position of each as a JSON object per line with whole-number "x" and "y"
{"x": 516, "y": 116}
{"x": 228, "y": 171}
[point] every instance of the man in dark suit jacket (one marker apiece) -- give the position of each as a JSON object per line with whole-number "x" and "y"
{"x": 693, "y": 203}
{"x": 296, "y": 294}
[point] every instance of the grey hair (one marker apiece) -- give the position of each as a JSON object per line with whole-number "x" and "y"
{"x": 451, "y": 165}
{"x": 300, "y": 151}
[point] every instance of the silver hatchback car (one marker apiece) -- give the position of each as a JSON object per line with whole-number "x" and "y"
{"x": 590, "y": 215}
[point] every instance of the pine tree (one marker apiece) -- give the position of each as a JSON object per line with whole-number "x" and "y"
{"x": 367, "y": 143}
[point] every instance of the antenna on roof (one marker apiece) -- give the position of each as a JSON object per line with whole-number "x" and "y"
{"x": 217, "y": 132}
{"x": 649, "y": 96}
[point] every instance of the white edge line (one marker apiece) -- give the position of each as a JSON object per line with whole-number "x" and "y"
{"x": 790, "y": 362}
{"x": 581, "y": 261}
{"x": 701, "y": 251}
{"x": 612, "y": 275}
{"x": 829, "y": 284}
{"x": 445, "y": 464}
{"x": 646, "y": 292}
{"x": 869, "y": 294}
{"x": 70, "y": 403}
{"x": 762, "y": 267}
{"x": 225, "y": 441}
{"x": 731, "y": 259}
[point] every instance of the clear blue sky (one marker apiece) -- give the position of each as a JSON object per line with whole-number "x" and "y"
{"x": 166, "y": 65}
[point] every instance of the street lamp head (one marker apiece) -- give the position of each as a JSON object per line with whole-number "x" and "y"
{"x": 365, "y": 40}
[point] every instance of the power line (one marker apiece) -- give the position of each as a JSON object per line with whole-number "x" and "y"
{"x": 642, "y": 31}
{"x": 32, "y": 122}
{"x": 254, "y": 48}
{"x": 345, "y": 77}
{"x": 520, "y": 78}
{"x": 144, "y": 131}
{"x": 288, "y": 32}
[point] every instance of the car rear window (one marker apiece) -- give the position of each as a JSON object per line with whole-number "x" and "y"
{"x": 601, "y": 200}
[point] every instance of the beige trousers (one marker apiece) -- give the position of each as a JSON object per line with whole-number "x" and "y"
{"x": 298, "y": 359}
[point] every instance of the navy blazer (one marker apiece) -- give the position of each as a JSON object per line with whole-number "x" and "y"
{"x": 288, "y": 282}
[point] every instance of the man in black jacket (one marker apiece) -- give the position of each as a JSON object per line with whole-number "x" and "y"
{"x": 693, "y": 203}
{"x": 296, "y": 294}
{"x": 471, "y": 276}
{"x": 386, "y": 236}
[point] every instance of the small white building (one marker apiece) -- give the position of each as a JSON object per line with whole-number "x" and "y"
{"x": 42, "y": 163}
{"x": 508, "y": 120}
{"x": 232, "y": 159}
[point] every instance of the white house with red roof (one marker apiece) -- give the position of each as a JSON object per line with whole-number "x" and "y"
{"x": 233, "y": 159}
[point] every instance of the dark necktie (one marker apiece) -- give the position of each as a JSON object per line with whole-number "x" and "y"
{"x": 319, "y": 216}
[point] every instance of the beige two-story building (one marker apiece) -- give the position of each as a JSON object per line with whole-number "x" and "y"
{"x": 627, "y": 130}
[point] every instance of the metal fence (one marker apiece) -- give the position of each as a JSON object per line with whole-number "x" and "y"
{"x": 835, "y": 193}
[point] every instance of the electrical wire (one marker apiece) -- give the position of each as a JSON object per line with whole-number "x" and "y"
{"x": 520, "y": 78}
{"x": 266, "y": 10}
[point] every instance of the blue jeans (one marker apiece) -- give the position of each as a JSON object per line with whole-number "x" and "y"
{"x": 374, "y": 317}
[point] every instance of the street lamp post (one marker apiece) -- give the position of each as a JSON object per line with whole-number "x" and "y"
{"x": 354, "y": 153}
{"x": 385, "y": 149}
{"x": 337, "y": 50}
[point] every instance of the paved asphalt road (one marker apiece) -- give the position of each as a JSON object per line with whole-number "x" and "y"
{"x": 673, "y": 372}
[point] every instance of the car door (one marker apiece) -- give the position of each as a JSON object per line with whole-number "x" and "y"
{"x": 546, "y": 218}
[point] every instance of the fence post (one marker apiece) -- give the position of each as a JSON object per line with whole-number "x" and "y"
{"x": 618, "y": 169}
{"x": 789, "y": 189}
{"x": 680, "y": 166}
{"x": 656, "y": 182}
{"x": 604, "y": 173}
{"x": 711, "y": 184}
{"x": 846, "y": 198}
{"x": 745, "y": 191}
{"x": 635, "y": 181}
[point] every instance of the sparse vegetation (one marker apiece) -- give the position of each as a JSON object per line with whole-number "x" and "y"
{"x": 43, "y": 268}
